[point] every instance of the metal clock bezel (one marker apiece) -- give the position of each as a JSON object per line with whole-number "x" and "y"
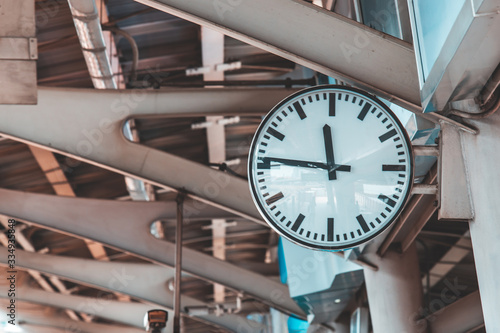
{"x": 270, "y": 221}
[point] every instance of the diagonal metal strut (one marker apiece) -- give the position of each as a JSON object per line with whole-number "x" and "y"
{"x": 99, "y": 220}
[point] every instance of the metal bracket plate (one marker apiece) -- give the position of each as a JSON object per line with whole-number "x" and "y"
{"x": 454, "y": 194}
{"x": 18, "y": 48}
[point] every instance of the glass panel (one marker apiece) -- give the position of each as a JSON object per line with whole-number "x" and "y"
{"x": 434, "y": 20}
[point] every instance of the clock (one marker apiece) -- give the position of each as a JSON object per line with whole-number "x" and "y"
{"x": 330, "y": 167}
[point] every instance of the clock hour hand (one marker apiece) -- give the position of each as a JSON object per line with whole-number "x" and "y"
{"x": 298, "y": 163}
{"x": 330, "y": 159}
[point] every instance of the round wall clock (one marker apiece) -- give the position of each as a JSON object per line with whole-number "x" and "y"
{"x": 330, "y": 167}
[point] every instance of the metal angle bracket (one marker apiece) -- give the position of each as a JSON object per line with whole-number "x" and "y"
{"x": 454, "y": 191}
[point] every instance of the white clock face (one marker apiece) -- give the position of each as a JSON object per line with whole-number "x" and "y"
{"x": 330, "y": 167}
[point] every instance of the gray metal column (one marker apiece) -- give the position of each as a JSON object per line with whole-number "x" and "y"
{"x": 481, "y": 162}
{"x": 395, "y": 293}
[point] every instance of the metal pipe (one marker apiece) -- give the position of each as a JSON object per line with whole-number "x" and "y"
{"x": 88, "y": 28}
{"x": 481, "y": 115}
{"x": 489, "y": 99}
{"x": 178, "y": 263}
{"x": 133, "y": 45}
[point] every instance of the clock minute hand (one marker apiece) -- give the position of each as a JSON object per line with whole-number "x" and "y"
{"x": 298, "y": 163}
{"x": 330, "y": 159}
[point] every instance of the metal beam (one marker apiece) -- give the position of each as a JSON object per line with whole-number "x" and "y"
{"x": 316, "y": 38}
{"x": 50, "y": 323}
{"x": 143, "y": 281}
{"x": 55, "y": 175}
{"x": 455, "y": 254}
{"x": 186, "y": 102}
{"x": 99, "y": 219}
{"x": 24, "y": 242}
{"x": 460, "y": 316}
{"x": 18, "y": 52}
{"x": 94, "y": 134}
{"x": 126, "y": 313}
{"x": 61, "y": 326}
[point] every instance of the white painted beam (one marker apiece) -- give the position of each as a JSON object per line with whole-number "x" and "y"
{"x": 100, "y": 219}
{"x": 25, "y": 243}
{"x": 94, "y": 134}
{"x": 143, "y": 281}
{"x": 50, "y": 323}
{"x": 126, "y": 313}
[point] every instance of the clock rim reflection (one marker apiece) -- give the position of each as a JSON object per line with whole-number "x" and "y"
{"x": 265, "y": 123}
